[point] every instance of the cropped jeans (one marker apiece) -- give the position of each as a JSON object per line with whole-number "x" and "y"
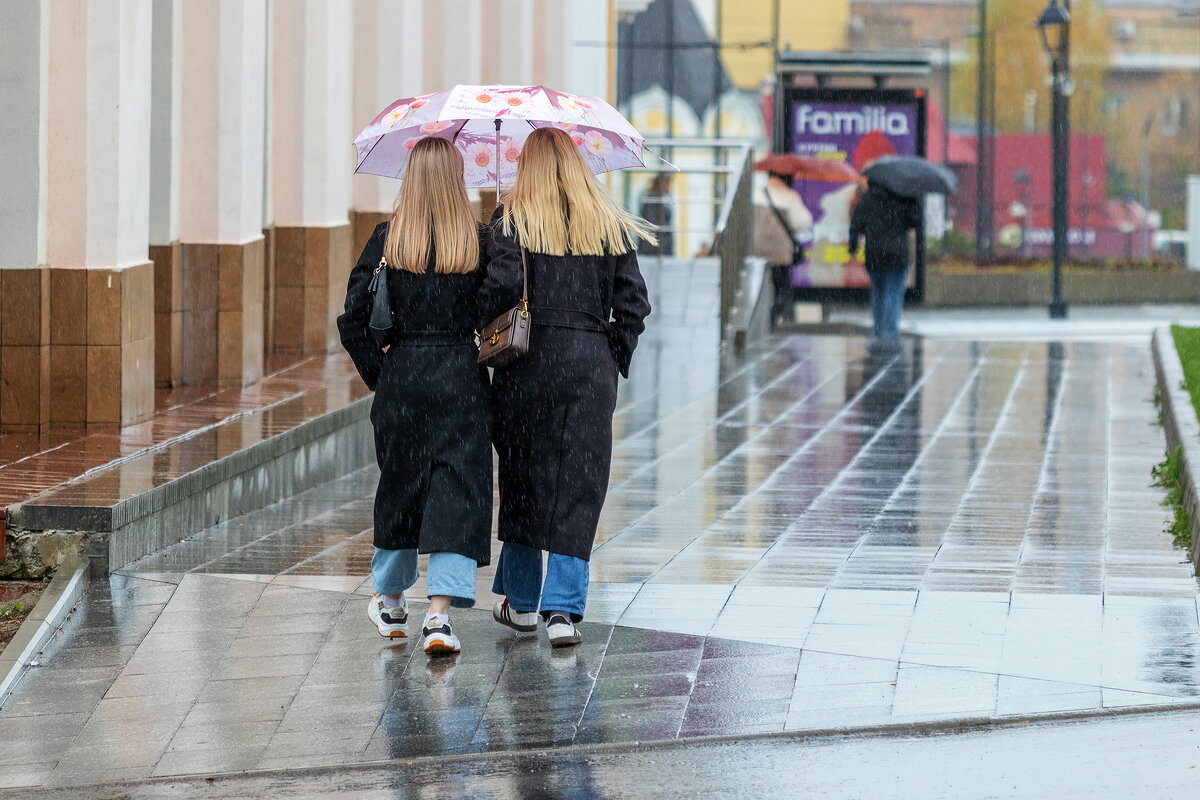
{"x": 519, "y": 578}
{"x": 450, "y": 574}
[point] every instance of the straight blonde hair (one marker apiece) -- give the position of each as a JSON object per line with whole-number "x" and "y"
{"x": 556, "y": 208}
{"x": 433, "y": 214}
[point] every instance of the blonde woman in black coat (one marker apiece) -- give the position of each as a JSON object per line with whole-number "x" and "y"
{"x": 554, "y": 407}
{"x": 431, "y": 410}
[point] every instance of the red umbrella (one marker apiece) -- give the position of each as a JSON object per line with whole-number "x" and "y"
{"x": 808, "y": 168}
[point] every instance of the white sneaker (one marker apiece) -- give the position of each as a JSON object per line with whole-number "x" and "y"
{"x": 503, "y": 613}
{"x": 562, "y": 631}
{"x": 439, "y": 640}
{"x": 390, "y": 622}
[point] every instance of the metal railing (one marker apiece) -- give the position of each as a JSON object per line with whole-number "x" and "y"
{"x": 729, "y": 234}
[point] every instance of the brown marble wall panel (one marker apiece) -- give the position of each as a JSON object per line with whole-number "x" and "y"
{"x": 310, "y": 270}
{"x": 23, "y": 302}
{"x": 104, "y": 384}
{"x": 68, "y": 298}
{"x": 268, "y": 286}
{"x": 342, "y": 257}
{"x": 104, "y": 307}
{"x": 168, "y": 302}
{"x": 24, "y": 350}
{"x": 364, "y": 223}
{"x": 68, "y": 384}
{"x": 137, "y": 380}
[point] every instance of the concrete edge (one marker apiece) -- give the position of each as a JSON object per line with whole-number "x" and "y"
{"x": 912, "y": 728}
{"x": 1181, "y": 426}
{"x": 34, "y": 515}
{"x": 59, "y": 598}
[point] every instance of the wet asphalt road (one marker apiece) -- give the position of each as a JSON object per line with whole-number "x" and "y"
{"x": 1140, "y": 756}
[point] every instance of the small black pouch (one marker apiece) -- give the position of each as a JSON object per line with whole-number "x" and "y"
{"x": 381, "y": 305}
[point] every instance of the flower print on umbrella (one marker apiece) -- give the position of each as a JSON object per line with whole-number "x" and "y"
{"x": 597, "y": 144}
{"x": 511, "y": 151}
{"x": 409, "y": 144}
{"x": 480, "y": 154}
{"x": 436, "y": 127}
{"x": 572, "y": 104}
{"x": 393, "y": 117}
{"x": 565, "y": 126}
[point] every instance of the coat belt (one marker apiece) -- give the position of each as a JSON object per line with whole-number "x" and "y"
{"x": 567, "y": 318}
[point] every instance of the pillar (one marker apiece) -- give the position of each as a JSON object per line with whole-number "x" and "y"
{"x": 221, "y": 84}
{"x": 310, "y": 161}
{"x": 76, "y": 320}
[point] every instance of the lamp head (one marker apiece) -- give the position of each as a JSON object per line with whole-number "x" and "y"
{"x": 1052, "y": 25}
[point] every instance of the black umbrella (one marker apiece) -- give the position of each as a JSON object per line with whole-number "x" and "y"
{"x": 911, "y": 176}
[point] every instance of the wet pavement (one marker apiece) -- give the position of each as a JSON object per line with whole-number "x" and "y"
{"x": 802, "y": 538}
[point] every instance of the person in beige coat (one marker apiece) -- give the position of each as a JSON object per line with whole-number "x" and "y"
{"x": 780, "y": 220}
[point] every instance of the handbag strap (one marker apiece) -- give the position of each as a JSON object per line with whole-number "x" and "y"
{"x": 524, "y": 284}
{"x": 778, "y": 214}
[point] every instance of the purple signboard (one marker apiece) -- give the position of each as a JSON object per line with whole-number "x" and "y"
{"x": 857, "y": 128}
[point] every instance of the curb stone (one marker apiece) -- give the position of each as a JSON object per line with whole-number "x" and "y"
{"x": 57, "y": 601}
{"x": 1181, "y": 426}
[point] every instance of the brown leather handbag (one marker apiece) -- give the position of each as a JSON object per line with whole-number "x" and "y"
{"x": 506, "y": 338}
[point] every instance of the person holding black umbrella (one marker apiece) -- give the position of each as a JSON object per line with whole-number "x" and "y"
{"x": 884, "y": 220}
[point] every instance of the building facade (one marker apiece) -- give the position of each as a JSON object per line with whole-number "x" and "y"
{"x": 180, "y": 206}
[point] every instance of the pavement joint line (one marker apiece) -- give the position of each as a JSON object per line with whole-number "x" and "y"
{"x": 959, "y": 725}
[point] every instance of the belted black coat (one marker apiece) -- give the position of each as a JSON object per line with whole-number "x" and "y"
{"x": 554, "y": 407}
{"x": 431, "y": 412}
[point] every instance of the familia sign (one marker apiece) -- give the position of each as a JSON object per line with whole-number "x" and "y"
{"x": 856, "y": 126}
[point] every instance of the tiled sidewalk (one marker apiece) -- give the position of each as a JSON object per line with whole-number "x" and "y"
{"x": 802, "y": 538}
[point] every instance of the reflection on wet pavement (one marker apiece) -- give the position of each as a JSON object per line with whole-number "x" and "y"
{"x": 803, "y": 537}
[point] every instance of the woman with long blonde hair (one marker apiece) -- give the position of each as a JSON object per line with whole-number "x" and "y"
{"x": 554, "y": 406}
{"x": 431, "y": 415}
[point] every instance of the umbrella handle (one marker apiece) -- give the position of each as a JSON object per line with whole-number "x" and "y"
{"x": 498, "y": 161}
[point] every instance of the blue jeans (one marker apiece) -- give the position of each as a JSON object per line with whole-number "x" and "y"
{"x": 519, "y": 578}
{"x": 887, "y": 300}
{"x": 450, "y": 574}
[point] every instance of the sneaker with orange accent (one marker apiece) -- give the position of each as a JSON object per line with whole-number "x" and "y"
{"x": 389, "y": 621}
{"x": 439, "y": 637}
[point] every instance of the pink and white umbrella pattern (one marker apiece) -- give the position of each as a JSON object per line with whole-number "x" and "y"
{"x": 467, "y": 115}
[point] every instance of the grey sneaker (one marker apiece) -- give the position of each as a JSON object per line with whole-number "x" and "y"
{"x": 562, "y": 631}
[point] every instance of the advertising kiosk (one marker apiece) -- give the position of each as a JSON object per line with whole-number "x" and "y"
{"x": 855, "y": 123}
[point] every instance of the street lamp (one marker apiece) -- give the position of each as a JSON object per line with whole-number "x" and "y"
{"x": 1054, "y": 25}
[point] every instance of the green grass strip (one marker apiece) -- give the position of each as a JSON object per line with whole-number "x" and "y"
{"x": 1167, "y": 476}
{"x": 1187, "y": 342}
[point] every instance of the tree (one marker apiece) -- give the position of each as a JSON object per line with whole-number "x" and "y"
{"x": 1022, "y": 67}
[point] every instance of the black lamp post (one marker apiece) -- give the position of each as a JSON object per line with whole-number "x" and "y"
{"x": 1054, "y": 25}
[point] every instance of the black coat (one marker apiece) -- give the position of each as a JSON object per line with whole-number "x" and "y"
{"x": 431, "y": 410}
{"x": 554, "y": 406}
{"x": 885, "y": 220}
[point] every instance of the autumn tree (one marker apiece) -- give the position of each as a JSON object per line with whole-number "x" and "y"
{"x": 1022, "y": 67}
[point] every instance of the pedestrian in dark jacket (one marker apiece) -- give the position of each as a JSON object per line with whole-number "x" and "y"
{"x": 554, "y": 406}
{"x": 885, "y": 219}
{"x": 656, "y": 209}
{"x": 431, "y": 411}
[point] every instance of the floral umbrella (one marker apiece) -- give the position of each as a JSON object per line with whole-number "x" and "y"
{"x": 489, "y": 125}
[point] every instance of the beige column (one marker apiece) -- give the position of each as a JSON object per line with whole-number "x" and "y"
{"x": 310, "y": 159}
{"x": 388, "y": 45}
{"x": 221, "y": 85}
{"x": 165, "y": 252}
{"x": 76, "y": 327}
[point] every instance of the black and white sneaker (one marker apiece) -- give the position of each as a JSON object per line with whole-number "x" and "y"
{"x": 562, "y": 631}
{"x": 505, "y": 614}
{"x": 390, "y": 622}
{"x": 439, "y": 638}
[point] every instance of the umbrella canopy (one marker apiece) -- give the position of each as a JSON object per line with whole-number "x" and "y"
{"x": 911, "y": 176}
{"x": 808, "y": 168}
{"x": 468, "y": 116}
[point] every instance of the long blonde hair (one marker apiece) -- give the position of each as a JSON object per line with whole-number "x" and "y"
{"x": 433, "y": 213}
{"x": 556, "y": 207}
